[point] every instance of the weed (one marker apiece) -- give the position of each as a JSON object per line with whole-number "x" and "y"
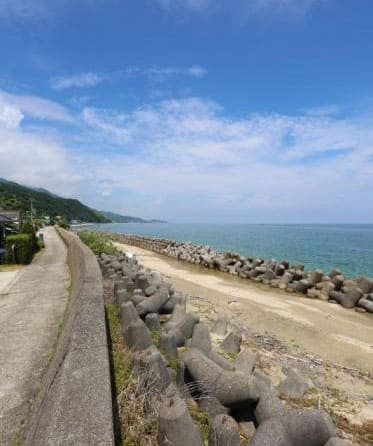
{"x": 122, "y": 362}
{"x": 98, "y": 242}
{"x": 49, "y": 357}
{"x": 203, "y": 421}
{"x": 363, "y": 373}
{"x": 136, "y": 400}
{"x": 294, "y": 343}
{"x": 229, "y": 356}
{"x": 17, "y": 440}
{"x": 156, "y": 336}
{"x": 59, "y": 327}
{"x": 172, "y": 362}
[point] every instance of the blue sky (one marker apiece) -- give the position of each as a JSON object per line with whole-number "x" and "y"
{"x": 192, "y": 110}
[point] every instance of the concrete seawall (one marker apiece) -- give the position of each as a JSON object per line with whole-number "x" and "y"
{"x": 74, "y": 404}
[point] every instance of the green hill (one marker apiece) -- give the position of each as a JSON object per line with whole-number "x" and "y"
{"x": 117, "y": 218}
{"x": 15, "y": 196}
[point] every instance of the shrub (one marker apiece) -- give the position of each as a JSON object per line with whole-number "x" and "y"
{"x": 28, "y": 228}
{"x": 64, "y": 225}
{"x": 98, "y": 242}
{"x": 20, "y": 248}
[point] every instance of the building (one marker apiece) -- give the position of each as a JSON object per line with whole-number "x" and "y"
{"x": 13, "y": 215}
{"x": 4, "y": 223}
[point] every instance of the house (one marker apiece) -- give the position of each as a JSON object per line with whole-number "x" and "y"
{"x": 4, "y": 222}
{"x": 13, "y": 215}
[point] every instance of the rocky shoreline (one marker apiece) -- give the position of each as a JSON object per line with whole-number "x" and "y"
{"x": 333, "y": 287}
{"x": 185, "y": 366}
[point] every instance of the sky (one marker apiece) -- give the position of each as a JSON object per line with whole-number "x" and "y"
{"x": 247, "y": 111}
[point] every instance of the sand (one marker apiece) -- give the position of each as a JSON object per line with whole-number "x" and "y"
{"x": 327, "y": 330}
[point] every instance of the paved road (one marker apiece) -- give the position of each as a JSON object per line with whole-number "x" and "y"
{"x": 29, "y": 316}
{"x": 6, "y": 280}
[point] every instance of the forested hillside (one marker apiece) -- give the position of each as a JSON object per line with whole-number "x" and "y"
{"x": 16, "y": 196}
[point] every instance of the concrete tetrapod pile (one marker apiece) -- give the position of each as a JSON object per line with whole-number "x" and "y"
{"x": 333, "y": 287}
{"x": 231, "y": 391}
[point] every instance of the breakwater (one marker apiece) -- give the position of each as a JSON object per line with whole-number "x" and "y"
{"x": 348, "y": 247}
{"x": 333, "y": 286}
{"x": 223, "y": 380}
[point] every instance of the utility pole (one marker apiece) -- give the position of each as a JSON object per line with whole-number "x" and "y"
{"x": 31, "y": 210}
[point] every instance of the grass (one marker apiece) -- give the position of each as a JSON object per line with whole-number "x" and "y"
{"x": 229, "y": 356}
{"x": 98, "y": 242}
{"x": 17, "y": 440}
{"x": 156, "y": 336}
{"x": 203, "y": 421}
{"x": 294, "y": 344}
{"x": 41, "y": 244}
{"x": 48, "y": 357}
{"x": 172, "y": 362}
{"x": 59, "y": 327}
{"x": 122, "y": 360}
{"x": 138, "y": 419}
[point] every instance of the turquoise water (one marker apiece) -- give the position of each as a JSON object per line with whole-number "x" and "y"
{"x": 348, "y": 247}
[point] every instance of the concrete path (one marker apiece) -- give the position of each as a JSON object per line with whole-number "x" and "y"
{"x": 29, "y": 317}
{"x": 330, "y": 331}
{"x": 6, "y": 280}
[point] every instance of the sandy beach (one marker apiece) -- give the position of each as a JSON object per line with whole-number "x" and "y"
{"x": 330, "y": 331}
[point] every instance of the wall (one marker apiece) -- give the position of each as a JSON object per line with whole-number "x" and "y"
{"x": 74, "y": 406}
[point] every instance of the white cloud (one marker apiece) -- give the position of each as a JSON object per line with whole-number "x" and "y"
{"x": 36, "y": 10}
{"x": 297, "y": 6}
{"x": 160, "y": 74}
{"x": 192, "y": 5}
{"x": 197, "y": 163}
{"x": 23, "y": 9}
{"x": 10, "y": 117}
{"x": 197, "y": 71}
{"x": 326, "y": 110}
{"x": 245, "y": 7}
{"x": 190, "y": 160}
{"x": 36, "y": 160}
{"x": 35, "y": 107}
{"x": 88, "y": 79}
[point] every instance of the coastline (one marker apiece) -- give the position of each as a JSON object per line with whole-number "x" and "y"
{"x": 332, "y": 287}
{"x": 283, "y": 331}
{"x": 347, "y": 247}
{"x": 329, "y": 331}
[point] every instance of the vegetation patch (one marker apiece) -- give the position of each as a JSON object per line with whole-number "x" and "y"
{"x": 156, "y": 336}
{"x": 203, "y": 420}
{"x": 16, "y": 196}
{"x": 172, "y": 362}
{"x": 98, "y": 242}
{"x": 229, "y": 356}
{"x": 17, "y": 440}
{"x": 20, "y": 248}
{"x": 136, "y": 403}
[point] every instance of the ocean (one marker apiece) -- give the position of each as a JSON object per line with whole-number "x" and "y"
{"x": 348, "y": 247}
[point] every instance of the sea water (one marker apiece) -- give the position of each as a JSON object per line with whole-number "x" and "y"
{"x": 348, "y": 247}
